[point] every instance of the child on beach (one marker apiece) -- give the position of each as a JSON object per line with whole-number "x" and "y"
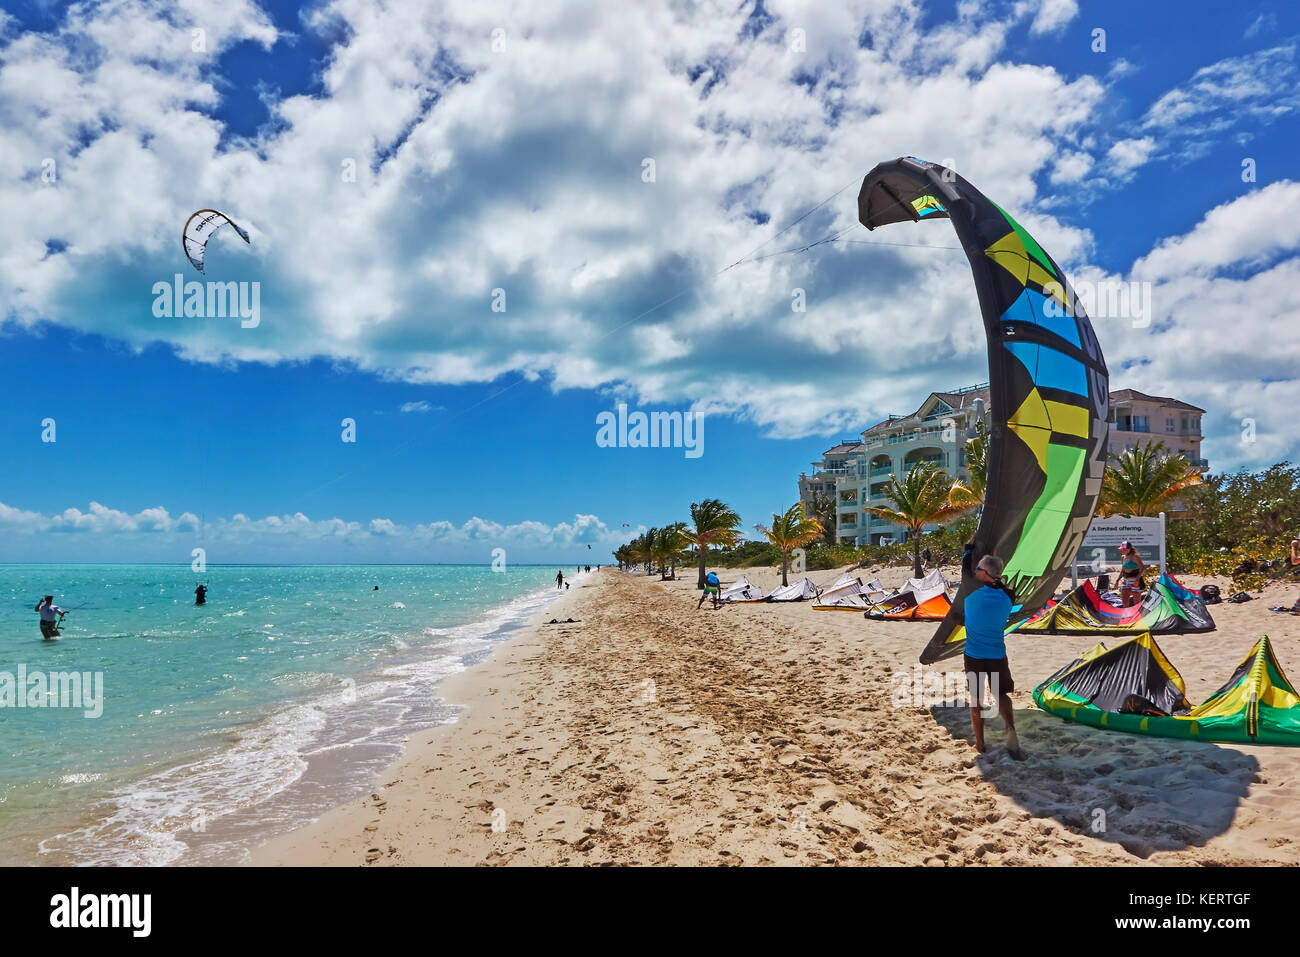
{"x": 987, "y": 610}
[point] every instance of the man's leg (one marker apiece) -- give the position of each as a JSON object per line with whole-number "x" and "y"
{"x": 977, "y": 724}
{"x": 1013, "y": 742}
{"x": 975, "y": 685}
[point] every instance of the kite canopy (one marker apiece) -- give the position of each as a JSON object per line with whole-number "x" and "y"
{"x": 199, "y": 229}
{"x": 1133, "y": 687}
{"x": 1049, "y": 389}
{"x": 847, "y": 593}
{"x": 1168, "y": 608}
{"x": 741, "y": 591}
{"x": 798, "y": 591}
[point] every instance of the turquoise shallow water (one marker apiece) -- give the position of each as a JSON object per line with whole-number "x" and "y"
{"x": 226, "y": 723}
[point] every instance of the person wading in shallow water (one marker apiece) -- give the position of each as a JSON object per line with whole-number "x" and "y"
{"x": 987, "y": 610}
{"x": 51, "y": 617}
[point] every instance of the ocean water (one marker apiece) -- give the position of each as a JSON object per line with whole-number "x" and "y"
{"x": 225, "y": 724}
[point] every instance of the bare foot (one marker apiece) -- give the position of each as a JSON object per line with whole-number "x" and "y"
{"x": 979, "y": 747}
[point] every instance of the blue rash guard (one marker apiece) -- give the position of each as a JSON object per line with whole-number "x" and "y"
{"x": 987, "y": 610}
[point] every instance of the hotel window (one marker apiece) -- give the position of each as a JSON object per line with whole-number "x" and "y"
{"x": 1169, "y": 425}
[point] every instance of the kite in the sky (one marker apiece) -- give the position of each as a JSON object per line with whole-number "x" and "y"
{"x": 1048, "y": 389}
{"x": 199, "y": 229}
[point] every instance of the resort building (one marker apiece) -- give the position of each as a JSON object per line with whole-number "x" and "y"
{"x": 1140, "y": 419}
{"x": 856, "y": 472}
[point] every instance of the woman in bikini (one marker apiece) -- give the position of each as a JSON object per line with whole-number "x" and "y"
{"x": 1130, "y": 582}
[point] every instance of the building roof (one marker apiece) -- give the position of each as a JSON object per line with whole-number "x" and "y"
{"x": 957, "y": 401}
{"x": 1133, "y": 395}
{"x": 843, "y": 447}
{"x": 965, "y": 399}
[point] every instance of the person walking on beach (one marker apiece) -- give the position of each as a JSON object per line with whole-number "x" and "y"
{"x": 711, "y": 588}
{"x": 987, "y": 609}
{"x": 51, "y": 617}
{"x": 1130, "y": 581}
{"x": 201, "y": 595}
{"x": 559, "y": 580}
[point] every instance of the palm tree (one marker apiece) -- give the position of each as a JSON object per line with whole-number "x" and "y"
{"x": 667, "y": 547}
{"x": 715, "y": 524}
{"x": 921, "y": 499}
{"x": 1143, "y": 480}
{"x": 790, "y": 531}
{"x": 823, "y": 510}
{"x": 971, "y": 494}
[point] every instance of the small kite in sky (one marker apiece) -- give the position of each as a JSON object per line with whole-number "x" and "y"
{"x": 199, "y": 229}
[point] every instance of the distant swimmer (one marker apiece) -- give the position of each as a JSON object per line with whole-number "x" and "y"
{"x": 376, "y": 588}
{"x": 201, "y": 595}
{"x": 51, "y": 617}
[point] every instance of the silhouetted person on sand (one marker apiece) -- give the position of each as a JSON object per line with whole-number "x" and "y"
{"x": 201, "y": 595}
{"x": 51, "y": 617}
{"x": 987, "y": 610}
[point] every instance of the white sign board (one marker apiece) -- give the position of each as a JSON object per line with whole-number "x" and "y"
{"x": 1101, "y": 545}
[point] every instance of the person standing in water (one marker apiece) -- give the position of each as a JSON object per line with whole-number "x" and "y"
{"x": 987, "y": 609}
{"x": 559, "y": 580}
{"x": 201, "y": 595}
{"x": 51, "y": 617}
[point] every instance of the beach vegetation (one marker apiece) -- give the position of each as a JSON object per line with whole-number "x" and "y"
{"x": 922, "y": 498}
{"x": 789, "y": 531}
{"x": 1144, "y": 481}
{"x": 713, "y": 522}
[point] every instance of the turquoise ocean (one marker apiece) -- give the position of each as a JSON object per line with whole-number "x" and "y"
{"x": 225, "y": 724}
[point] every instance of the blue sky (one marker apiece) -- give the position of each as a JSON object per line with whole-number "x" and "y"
{"x": 519, "y": 166}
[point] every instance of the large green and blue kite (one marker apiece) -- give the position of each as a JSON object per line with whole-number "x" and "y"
{"x": 1049, "y": 389}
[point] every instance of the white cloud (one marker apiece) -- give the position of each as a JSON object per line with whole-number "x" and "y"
{"x": 420, "y": 406}
{"x": 521, "y": 170}
{"x": 1053, "y": 16}
{"x": 1125, "y": 156}
{"x": 153, "y": 534}
{"x": 1242, "y": 234}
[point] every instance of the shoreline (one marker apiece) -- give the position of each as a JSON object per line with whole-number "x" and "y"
{"x": 649, "y": 733}
{"x": 254, "y": 771}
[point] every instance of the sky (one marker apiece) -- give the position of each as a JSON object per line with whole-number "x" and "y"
{"x": 477, "y": 228}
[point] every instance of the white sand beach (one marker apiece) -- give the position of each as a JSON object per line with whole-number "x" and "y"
{"x": 650, "y": 733}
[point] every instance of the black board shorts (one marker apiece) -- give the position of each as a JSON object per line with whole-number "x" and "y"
{"x": 989, "y": 666}
{"x": 49, "y": 629}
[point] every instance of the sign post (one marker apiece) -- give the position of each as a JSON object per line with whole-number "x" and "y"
{"x": 1101, "y": 544}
